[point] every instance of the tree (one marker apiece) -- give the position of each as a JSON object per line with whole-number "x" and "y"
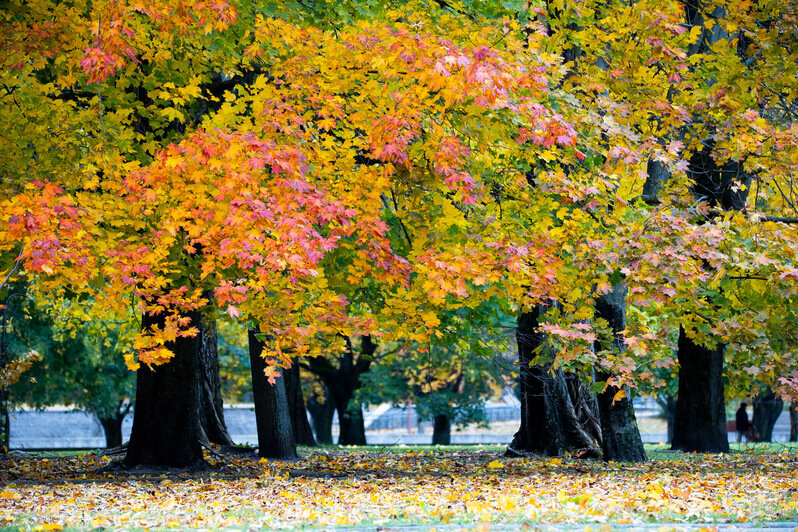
{"x": 303, "y": 435}
{"x": 767, "y": 409}
{"x": 556, "y": 414}
{"x": 167, "y": 397}
{"x": 357, "y": 182}
{"x": 342, "y": 378}
{"x": 449, "y": 379}
{"x": 80, "y": 364}
{"x": 272, "y": 414}
{"x": 321, "y": 410}
{"x": 620, "y": 437}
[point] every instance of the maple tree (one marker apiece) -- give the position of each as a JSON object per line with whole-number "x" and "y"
{"x": 275, "y": 224}
{"x": 646, "y": 80}
{"x": 360, "y": 176}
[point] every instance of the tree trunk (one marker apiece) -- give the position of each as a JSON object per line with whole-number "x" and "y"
{"x": 767, "y": 410}
{"x": 210, "y": 405}
{"x": 321, "y": 416}
{"x": 700, "y": 423}
{"x": 166, "y": 428}
{"x": 700, "y": 419}
{"x": 656, "y": 177}
{"x": 275, "y": 433}
{"x": 5, "y": 421}
{"x": 296, "y": 406}
{"x": 441, "y": 430}
{"x": 342, "y": 382}
{"x": 793, "y": 421}
{"x": 668, "y": 405}
{"x": 621, "y": 440}
{"x": 112, "y": 428}
{"x": 564, "y": 397}
{"x": 350, "y": 420}
{"x": 549, "y": 420}
{"x": 532, "y": 436}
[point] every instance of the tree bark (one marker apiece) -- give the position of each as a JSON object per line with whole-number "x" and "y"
{"x": 532, "y": 435}
{"x": 621, "y": 440}
{"x": 342, "y": 382}
{"x": 700, "y": 419}
{"x": 441, "y": 430}
{"x": 793, "y": 421}
{"x": 5, "y": 420}
{"x": 210, "y": 404}
{"x": 668, "y": 405}
{"x": 321, "y": 416}
{"x": 550, "y": 424}
{"x": 296, "y": 407}
{"x": 700, "y": 423}
{"x": 275, "y": 433}
{"x": 166, "y": 428}
{"x": 656, "y": 177}
{"x": 767, "y": 410}
{"x": 350, "y": 420}
{"x": 112, "y": 428}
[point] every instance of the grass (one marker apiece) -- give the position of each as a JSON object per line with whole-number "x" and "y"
{"x": 426, "y": 486}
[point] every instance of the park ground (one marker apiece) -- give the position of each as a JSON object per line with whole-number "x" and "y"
{"x": 375, "y": 487}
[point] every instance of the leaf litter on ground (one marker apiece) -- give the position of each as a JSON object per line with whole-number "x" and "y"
{"x": 335, "y": 487}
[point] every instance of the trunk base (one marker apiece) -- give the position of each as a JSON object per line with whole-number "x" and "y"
{"x": 166, "y": 429}
{"x": 700, "y": 419}
{"x": 442, "y": 430}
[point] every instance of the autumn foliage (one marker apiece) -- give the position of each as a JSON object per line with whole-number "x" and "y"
{"x": 364, "y": 175}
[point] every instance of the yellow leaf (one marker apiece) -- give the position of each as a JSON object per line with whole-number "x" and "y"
{"x": 495, "y": 465}
{"x": 53, "y": 526}
{"x": 620, "y": 394}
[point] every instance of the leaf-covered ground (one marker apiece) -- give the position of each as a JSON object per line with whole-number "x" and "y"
{"x": 373, "y": 487}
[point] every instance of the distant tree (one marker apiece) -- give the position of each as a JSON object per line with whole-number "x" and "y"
{"x": 449, "y": 379}
{"x": 767, "y": 409}
{"x": 81, "y": 365}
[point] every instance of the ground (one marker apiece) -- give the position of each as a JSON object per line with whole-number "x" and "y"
{"x": 379, "y": 487}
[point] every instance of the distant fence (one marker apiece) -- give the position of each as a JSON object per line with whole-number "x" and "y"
{"x": 402, "y": 417}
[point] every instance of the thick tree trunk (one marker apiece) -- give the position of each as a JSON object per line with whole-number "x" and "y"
{"x": 700, "y": 423}
{"x": 550, "y": 424}
{"x": 296, "y": 407}
{"x": 321, "y": 416}
{"x": 621, "y": 440}
{"x": 166, "y": 428}
{"x": 532, "y": 436}
{"x": 656, "y": 177}
{"x": 767, "y": 410}
{"x": 210, "y": 405}
{"x": 275, "y": 433}
{"x": 700, "y": 420}
{"x": 441, "y": 430}
{"x": 793, "y": 421}
{"x": 578, "y": 435}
